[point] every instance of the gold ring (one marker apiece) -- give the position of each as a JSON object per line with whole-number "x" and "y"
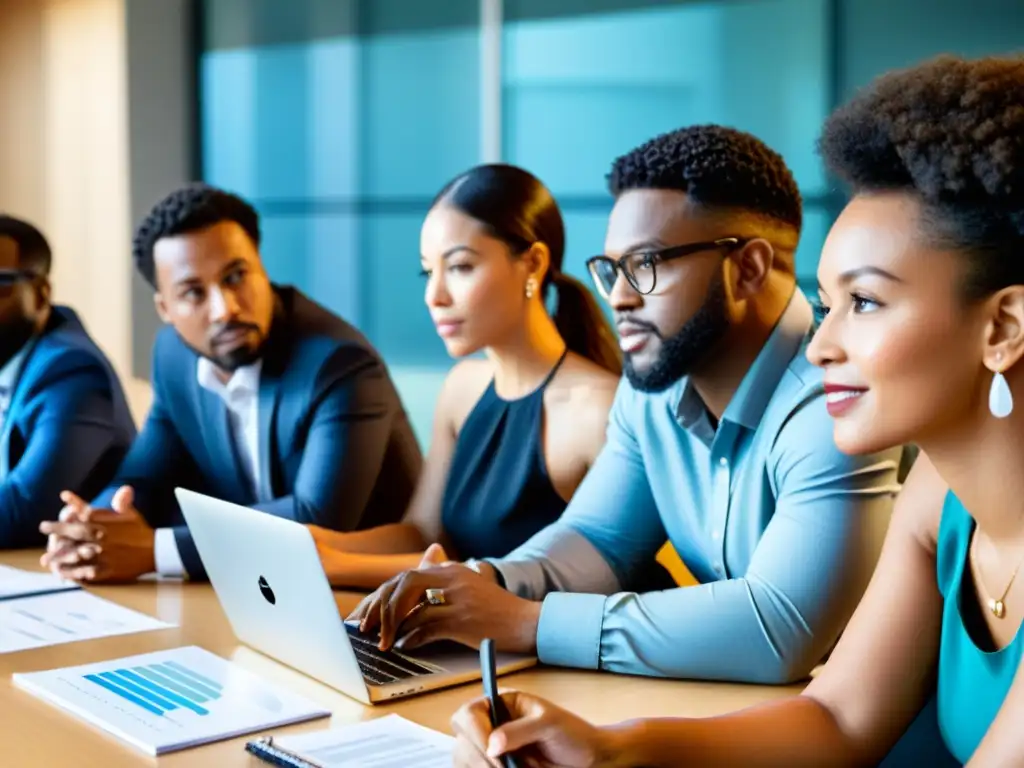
{"x": 435, "y": 597}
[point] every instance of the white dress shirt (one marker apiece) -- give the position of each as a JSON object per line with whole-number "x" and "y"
{"x": 241, "y": 396}
{"x": 8, "y": 382}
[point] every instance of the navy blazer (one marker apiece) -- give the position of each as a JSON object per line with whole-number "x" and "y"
{"x": 68, "y": 427}
{"x": 335, "y": 445}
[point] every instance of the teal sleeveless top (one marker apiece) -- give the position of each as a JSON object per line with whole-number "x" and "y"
{"x": 972, "y": 682}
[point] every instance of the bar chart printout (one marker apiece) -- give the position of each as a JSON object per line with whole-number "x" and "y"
{"x": 160, "y": 688}
{"x": 168, "y": 700}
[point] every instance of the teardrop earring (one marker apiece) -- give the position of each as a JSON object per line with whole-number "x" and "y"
{"x": 531, "y": 287}
{"x": 1000, "y": 399}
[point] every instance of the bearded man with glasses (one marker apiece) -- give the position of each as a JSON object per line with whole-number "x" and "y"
{"x": 718, "y": 440}
{"x": 64, "y": 421}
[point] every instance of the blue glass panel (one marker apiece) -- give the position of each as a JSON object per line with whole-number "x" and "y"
{"x": 816, "y": 225}
{"x": 420, "y": 112}
{"x": 580, "y": 90}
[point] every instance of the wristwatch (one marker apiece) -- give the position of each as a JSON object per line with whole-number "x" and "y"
{"x": 475, "y": 564}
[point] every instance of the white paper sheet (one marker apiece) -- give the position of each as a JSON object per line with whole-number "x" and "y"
{"x": 169, "y": 700}
{"x": 387, "y": 742}
{"x": 17, "y": 583}
{"x": 66, "y": 617}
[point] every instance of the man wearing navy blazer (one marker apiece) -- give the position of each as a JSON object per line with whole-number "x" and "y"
{"x": 64, "y": 422}
{"x": 260, "y": 397}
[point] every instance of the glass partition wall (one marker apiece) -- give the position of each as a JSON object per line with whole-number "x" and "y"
{"x": 340, "y": 119}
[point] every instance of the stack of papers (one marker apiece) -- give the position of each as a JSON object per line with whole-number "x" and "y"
{"x": 169, "y": 700}
{"x": 39, "y": 609}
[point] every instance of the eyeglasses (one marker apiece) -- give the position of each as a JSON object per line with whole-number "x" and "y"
{"x": 639, "y": 266}
{"x": 9, "y": 277}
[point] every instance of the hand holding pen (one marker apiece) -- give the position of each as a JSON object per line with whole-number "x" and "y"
{"x": 527, "y": 726}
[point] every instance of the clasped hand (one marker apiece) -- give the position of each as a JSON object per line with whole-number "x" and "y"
{"x": 475, "y": 607}
{"x": 99, "y": 545}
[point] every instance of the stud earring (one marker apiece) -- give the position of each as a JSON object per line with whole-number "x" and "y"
{"x": 1000, "y": 399}
{"x": 531, "y": 287}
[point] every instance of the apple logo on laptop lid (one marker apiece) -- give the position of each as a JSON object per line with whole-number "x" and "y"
{"x": 268, "y": 593}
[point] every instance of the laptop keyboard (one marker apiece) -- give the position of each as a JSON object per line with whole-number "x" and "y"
{"x": 382, "y": 667}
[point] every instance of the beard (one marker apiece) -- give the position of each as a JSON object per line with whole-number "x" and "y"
{"x": 15, "y": 335}
{"x": 236, "y": 358}
{"x": 686, "y": 349}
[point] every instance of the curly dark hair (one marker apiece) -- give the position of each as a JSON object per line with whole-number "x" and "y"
{"x": 950, "y": 131}
{"x": 188, "y": 209}
{"x": 33, "y": 249}
{"x": 717, "y": 167}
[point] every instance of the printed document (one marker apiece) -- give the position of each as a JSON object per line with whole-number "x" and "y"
{"x": 387, "y": 742}
{"x": 66, "y": 617}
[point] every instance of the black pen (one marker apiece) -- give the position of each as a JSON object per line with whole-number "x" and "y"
{"x": 499, "y": 712}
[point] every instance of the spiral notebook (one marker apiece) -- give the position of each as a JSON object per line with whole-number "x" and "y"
{"x": 387, "y": 742}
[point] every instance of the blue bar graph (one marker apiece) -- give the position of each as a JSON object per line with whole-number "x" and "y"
{"x": 166, "y": 682}
{"x": 141, "y": 693}
{"x": 124, "y": 694}
{"x": 160, "y": 688}
{"x": 171, "y": 696}
{"x": 195, "y": 675}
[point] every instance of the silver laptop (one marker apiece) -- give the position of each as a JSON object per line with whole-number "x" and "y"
{"x": 267, "y": 575}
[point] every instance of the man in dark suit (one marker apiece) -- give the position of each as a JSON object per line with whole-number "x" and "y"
{"x": 261, "y": 397}
{"x": 64, "y": 422}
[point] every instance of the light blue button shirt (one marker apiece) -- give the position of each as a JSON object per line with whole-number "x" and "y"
{"x": 781, "y": 530}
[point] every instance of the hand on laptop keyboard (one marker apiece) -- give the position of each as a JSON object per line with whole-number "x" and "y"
{"x": 382, "y": 667}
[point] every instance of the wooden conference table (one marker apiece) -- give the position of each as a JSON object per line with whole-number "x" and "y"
{"x": 33, "y": 733}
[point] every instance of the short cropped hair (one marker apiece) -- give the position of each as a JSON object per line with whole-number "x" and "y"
{"x": 717, "y": 167}
{"x": 189, "y": 209}
{"x": 33, "y": 249}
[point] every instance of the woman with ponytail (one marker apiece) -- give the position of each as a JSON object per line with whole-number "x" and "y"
{"x": 516, "y": 430}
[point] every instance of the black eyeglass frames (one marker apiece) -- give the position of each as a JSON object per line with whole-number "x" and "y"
{"x": 639, "y": 266}
{"x": 9, "y": 277}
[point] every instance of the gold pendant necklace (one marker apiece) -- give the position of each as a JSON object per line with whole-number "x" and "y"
{"x": 996, "y": 606}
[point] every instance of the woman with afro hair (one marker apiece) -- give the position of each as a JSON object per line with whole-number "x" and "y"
{"x": 922, "y": 290}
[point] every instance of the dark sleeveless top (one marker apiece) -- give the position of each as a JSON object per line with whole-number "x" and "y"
{"x": 499, "y": 493}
